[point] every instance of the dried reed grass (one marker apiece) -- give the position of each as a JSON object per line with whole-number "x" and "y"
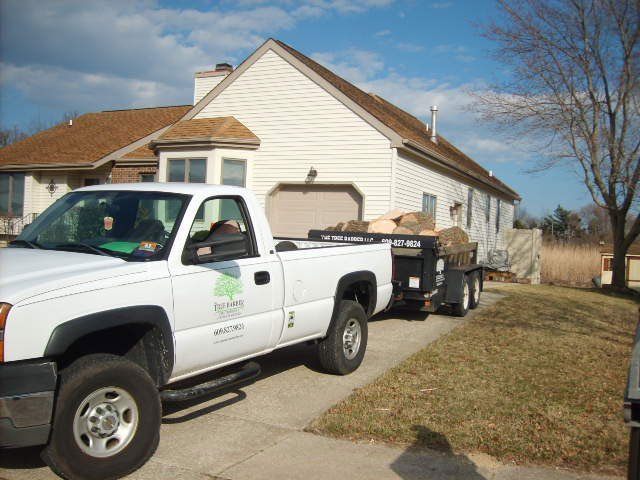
{"x": 573, "y": 265}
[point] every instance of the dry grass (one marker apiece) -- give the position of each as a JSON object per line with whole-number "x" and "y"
{"x": 535, "y": 379}
{"x": 573, "y": 265}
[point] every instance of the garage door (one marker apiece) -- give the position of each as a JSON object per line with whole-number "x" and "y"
{"x": 295, "y": 209}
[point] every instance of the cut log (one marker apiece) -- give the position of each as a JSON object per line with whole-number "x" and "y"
{"x": 428, "y": 233}
{"x": 382, "y": 226}
{"x": 452, "y": 236}
{"x": 355, "y": 226}
{"x": 425, "y": 220}
{"x": 394, "y": 214}
{"x": 403, "y": 231}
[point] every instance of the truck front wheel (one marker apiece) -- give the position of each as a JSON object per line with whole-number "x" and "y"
{"x": 107, "y": 419}
{"x": 342, "y": 350}
{"x": 474, "y": 292}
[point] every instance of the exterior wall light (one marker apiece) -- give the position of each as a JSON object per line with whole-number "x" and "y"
{"x": 311, "y": 175}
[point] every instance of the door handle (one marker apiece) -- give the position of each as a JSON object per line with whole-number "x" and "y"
{"x": 262, "y": 278}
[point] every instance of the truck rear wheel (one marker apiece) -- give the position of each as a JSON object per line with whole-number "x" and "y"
{"x": 461, "y": 309}
{"x": 107, "y": 419}
{"x": 342, "y": 350}
{"x": 474, "y": 290}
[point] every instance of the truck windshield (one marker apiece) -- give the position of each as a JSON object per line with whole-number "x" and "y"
{"x": 131, "y": 225}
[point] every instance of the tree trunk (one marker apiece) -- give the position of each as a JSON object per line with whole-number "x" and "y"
{"x": 620, "y": 248}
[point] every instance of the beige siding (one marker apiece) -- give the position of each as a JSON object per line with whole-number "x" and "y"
{"x": 203, "y": 85}
{"x": 38, "y": 198}
{"x": 414, "y": 178}
{"x": 300, "y": 125}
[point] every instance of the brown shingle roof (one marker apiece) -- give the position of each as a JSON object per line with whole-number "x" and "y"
{"x": 208, "y": 129}
{"x": 91, "y": 137}
{"x": 403, "y": 123}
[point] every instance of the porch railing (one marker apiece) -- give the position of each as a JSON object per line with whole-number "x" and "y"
{"x": 11, "y": 227}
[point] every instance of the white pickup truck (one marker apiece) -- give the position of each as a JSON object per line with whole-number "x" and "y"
{"x": 116, "y": 292}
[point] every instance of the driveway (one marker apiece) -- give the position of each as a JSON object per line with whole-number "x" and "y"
{"x": 257, "y": 432}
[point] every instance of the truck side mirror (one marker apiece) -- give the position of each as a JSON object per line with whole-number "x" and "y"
{"x": 219, "y": 247}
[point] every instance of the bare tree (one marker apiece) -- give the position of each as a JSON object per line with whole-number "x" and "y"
{"x": 575, "y": 81}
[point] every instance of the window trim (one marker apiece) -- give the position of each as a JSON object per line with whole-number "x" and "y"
{"x": 469, "y": 207}
{"x": 428, "y": 196}
{"x": 498, "y": 213}
{"x": 487, "y": 207}
{"x": 244, "y": 179}
{"x": 187, "y": 168}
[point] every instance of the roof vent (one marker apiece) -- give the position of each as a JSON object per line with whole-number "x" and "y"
{"x": 491, "y": 173}
{"x": 434, "y": 112}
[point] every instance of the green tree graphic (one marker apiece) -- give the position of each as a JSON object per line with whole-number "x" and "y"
{"x": 228, "y": 286}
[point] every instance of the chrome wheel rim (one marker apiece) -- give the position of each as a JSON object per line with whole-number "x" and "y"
{"x": 351, "y": 338}
{"x": 105, "y": 422}
{"x": 476, "y": 290}
{"x": 465, "y": 295}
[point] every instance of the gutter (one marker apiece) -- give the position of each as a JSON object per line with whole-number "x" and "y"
{"x": 429, "y": 154}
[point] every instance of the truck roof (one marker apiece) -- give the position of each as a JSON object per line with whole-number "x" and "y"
{"x": 174, "y": 187}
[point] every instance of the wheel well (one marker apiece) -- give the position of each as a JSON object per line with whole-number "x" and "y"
{"x": 359, "y": 292}
{"x": 141, "y": 343}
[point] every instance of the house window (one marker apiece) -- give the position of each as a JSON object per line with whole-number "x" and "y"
{"x": 469, "y": 207}
{"x": 88, "y": 182}
{"x": 607, "y": 264}
{"x": 487, "y": 208}
{"x": 147, "y": 177}
{"x": 429, "y": 204}
{"x": 11, "y": 194}
{"x": 188, "y": 170}
{"x": 456, "y": 214}
{"x": 498, "y": 209}
{"x": 234, "y": 172}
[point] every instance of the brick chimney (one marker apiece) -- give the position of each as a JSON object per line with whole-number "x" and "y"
{"x": 207, "y": 80}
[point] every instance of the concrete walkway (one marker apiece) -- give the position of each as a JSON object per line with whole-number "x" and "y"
{"x": 257, "y": 432}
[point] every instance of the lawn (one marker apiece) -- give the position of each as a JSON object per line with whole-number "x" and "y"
{"x": 537, "y": 378}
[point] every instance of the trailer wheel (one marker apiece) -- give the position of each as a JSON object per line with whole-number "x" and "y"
{"x": 107, "y": 419}
{"x": 474, "y": 290}
{"x": 461, "y": 309}
{"x": 633, "y": 472}
{"x": 342, "y": 350}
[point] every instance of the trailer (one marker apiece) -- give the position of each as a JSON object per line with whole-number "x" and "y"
{"x": 426, "y": 274}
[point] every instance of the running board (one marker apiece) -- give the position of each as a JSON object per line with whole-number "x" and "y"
{"x": 250, "y": 371}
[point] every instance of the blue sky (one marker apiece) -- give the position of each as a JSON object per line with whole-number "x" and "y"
{"x": 88, "y": 55}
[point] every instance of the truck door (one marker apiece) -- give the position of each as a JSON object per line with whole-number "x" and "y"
{"x": 223, "y": 310}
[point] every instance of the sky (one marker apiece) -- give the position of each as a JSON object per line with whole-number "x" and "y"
{"x": 88, "y": 55}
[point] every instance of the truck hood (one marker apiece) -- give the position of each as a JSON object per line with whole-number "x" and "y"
{"x": 27, "y": 273}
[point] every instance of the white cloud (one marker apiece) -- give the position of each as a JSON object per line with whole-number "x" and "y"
{"x": 353, "y": 64}
{"x": 441, "y": 5}
{"x": 139, "y": 49}
{"x": 383, "y": 33}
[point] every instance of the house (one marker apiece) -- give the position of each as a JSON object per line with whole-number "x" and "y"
{"x": 632, "y": 265}
{"x": 315, "y": 150}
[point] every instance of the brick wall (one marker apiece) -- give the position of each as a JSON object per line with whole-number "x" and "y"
{"x": 130, "y": 174}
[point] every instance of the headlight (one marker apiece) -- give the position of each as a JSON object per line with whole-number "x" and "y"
{"x": 4, "y": 313}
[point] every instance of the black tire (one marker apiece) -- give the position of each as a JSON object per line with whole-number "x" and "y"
{"x": 337, "y": 352}
{"x": 633, "y": 472}
{"x": 474, "y": 290}
{"x": 87, "y": 386}
{"x": 462, "y": 308}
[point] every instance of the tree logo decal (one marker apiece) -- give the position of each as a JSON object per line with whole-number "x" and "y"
{"x": 228, "y": 285}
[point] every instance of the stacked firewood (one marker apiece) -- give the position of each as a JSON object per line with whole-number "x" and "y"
{"x": 405, "y": 223}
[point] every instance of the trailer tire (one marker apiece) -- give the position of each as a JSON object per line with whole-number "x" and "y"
{"x": 462, "y": 308}
{"x": 107, "y": 419}
{"x": 342, "y": 350}
{"x": 633, "y": 472}
{"x": 474, "y": 290}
